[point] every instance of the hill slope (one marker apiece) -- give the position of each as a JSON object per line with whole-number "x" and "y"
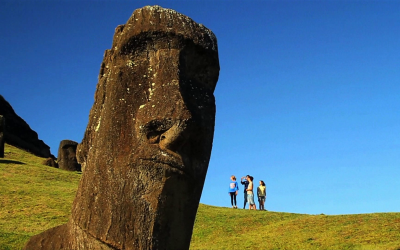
{"x": 35, "y": 197}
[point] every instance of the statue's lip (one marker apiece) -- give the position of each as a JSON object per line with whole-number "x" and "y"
{"x": 167, "y": 159}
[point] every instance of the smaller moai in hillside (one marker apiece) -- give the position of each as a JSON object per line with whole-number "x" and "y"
{"x": 2, "y": 136}
{"x": 50, "y": 162}
{"x": 67, "y": 156}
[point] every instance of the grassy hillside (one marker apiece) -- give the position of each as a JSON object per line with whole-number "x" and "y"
{"x": 224, "y": 228}
{"x": 35, "y": 197}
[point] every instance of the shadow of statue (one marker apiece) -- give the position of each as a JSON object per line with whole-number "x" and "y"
{"x": 11, "y": 162}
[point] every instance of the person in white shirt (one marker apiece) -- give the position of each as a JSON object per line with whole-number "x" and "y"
{"x": 250, "y": 194}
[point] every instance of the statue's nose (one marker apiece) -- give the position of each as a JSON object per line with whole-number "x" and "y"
{"x": 175, "y": 137}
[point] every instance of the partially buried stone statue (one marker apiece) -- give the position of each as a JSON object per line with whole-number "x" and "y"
{"x": 146, "y": 148}
{"x": 67, "y": 156}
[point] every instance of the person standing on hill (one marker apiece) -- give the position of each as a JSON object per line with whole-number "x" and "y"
{"x": 261, "y": 194}
{"x": 250, "y": 194}
{"x": 233, "y": 190}
{"x": 245, "y": 182}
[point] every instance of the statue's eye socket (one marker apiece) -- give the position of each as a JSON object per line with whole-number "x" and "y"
{"x": 155, "y": 128}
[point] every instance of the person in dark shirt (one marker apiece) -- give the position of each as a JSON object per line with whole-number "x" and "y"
{"x": 245, "y": 182}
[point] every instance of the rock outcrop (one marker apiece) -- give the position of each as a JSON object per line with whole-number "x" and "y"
{"x": 67, "y": 156}
{"x": 147, "y": 146}
{"x": 19, "y": 134}
{"x": 2, "y": 139}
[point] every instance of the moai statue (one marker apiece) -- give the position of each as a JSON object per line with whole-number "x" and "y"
{"x": 67, "y": 156}
{"x": 147, "y": 146}
{"x": 50, "y": 162}
{"x": 2, "y": 136}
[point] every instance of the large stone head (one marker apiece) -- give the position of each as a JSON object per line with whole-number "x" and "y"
{"x": 147, "y": 146}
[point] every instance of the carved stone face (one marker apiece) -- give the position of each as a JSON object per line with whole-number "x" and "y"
{"x": 69, "y": 153}
{"x": 174, "y": 132}
{"x": 67, "y": 156}
{"x": 175, "y": 124}
{"x": 148, "y": 142}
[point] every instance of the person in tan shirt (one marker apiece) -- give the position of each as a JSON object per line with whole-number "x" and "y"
{"x": 261, "y": 194}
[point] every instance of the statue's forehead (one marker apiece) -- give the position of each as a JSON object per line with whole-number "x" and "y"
{"x": 153, "y": 41}
{"x": 156, "y": 22}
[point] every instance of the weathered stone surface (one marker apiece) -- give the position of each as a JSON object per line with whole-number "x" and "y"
{"x": 50, "y": 162}
{"x": 67, "y": 156}
{"x": 2, "y": 131}
{"x": 146, "y": 148}
{"x": 19, "y": 134}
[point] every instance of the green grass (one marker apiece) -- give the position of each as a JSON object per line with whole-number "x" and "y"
{"x": 225, "y": 228}
{"x": 35, "y": 197}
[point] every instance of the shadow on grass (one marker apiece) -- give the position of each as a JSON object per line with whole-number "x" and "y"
{"x": 10, "y": 162}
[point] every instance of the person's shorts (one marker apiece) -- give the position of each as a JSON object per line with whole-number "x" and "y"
{"x": 250, "y": 199}
{"x": 261, "y": 198}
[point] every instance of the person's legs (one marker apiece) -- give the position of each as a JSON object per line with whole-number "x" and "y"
{"x": 262, "y": 203}
{"x": 231, "y": 194}
{"x": 252, "y": 203}
{"x": 245, "y": 200}
{"x": 234, "y": 199}
{"x": 250, "y": 198}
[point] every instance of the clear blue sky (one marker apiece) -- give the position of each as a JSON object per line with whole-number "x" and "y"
{"x": 307, "y": 99}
